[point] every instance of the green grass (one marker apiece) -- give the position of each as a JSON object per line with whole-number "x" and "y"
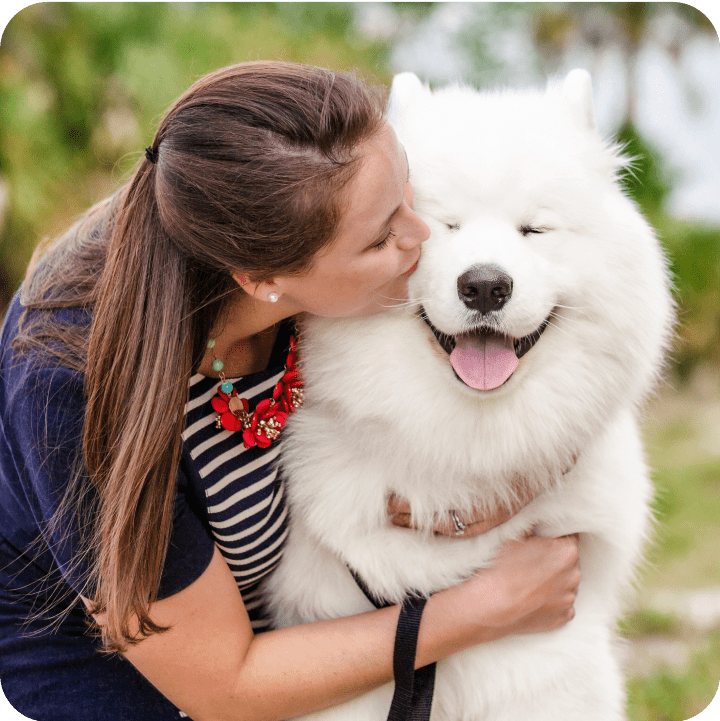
{"x": 648, "y": 622}
{"x": 683, "y": 445}
{"x": 678, "y": 694}
{"x": 686, "y": 471}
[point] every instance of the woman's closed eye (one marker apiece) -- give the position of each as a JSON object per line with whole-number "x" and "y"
{"x": 384, "y": 241}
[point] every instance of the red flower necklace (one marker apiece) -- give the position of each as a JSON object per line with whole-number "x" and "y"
{"x": 263, "y": 425}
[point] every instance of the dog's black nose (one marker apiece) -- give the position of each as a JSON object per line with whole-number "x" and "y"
{"x": 484, "y": 288}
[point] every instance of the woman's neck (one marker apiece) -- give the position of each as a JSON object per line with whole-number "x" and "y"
{"x": 244, "y": 335}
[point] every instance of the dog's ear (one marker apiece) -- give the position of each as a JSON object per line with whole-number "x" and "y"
{"x": 405, "y": 87}
{"x": 577, "y": 91}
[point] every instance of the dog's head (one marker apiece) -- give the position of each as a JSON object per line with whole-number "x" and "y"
{"x": 536, "y": 259}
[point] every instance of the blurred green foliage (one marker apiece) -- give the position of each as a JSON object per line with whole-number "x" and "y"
{"x": 646, "y": 622}
{"x": 694, "y": 253}
{"x": 695, "y": 262}
{"x": 646, "y": 180}
{"x": 83, "y": 85}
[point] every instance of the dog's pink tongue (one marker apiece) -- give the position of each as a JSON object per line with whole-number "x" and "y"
{"x": 484, "y": 360}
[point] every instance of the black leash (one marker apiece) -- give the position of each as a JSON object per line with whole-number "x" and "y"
{"x": 413, "y": 696}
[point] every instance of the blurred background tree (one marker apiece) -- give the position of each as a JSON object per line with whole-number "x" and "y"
{"x": 83, "y": 85}
{"x": 624, "y": 29}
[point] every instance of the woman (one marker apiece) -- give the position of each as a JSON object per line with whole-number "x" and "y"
{"x": 270, "y": 190}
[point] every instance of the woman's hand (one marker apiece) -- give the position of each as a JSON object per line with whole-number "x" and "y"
{"x": 532, "y": 584}
{"x": 530, "y": 587}
{"x": 458, "y": 525}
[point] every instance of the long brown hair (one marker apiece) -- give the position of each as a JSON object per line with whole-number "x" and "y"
{"x": 245, "y": 172}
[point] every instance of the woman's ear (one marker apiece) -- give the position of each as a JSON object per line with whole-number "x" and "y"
{"x": 266, "y": 291}
{"x": 240, "y": 278}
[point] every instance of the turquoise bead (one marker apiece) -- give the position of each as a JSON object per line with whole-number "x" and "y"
{"x": 226, "y": 387}
{"x": 217, "y": 365}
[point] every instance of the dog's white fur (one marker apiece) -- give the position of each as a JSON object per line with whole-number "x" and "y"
{"x": 385, "y": 412}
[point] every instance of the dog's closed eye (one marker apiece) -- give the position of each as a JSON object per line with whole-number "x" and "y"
{"x": 531, "y": 230}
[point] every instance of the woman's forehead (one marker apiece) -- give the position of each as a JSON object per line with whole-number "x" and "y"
{"x": 376, "y": 190}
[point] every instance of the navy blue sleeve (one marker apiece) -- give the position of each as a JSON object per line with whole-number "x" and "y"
{"x": 44, "y": 426}
{"x": 191, "y": 546}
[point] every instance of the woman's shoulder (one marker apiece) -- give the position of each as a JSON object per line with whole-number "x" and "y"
{"x": 33, "y": 380}
{"x": 21, "y": 319}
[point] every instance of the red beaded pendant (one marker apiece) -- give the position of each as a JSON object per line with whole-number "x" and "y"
{"x": 263, "y": 425}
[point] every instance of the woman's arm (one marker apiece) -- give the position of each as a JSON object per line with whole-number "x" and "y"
{"x": 212, "y": 666}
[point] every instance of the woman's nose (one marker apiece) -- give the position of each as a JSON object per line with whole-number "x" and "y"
{"x": 418, "y": 233}
{"x": 425, "y": 232}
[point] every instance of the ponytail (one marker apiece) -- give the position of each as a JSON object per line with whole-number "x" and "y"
{"x": 139, "y": 363}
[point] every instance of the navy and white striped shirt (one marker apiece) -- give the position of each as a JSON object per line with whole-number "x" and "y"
{"x": 244, "y": 499}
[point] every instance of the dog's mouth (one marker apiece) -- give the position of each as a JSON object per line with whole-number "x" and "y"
{"x": 484, "y": 359}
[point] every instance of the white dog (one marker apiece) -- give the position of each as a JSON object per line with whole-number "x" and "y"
{"x": 537, "y": 322}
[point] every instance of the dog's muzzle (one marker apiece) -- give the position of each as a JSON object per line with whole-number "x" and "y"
{"x": 482, "y": 358}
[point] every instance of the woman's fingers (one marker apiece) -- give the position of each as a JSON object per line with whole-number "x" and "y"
{"x": 535, "y": 582}
{"x": 456, "y": 524}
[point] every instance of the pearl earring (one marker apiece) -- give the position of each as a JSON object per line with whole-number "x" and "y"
{"x": 273, "y": 297}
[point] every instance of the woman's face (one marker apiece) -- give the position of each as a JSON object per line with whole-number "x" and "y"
{"x": 365, "y": 269}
